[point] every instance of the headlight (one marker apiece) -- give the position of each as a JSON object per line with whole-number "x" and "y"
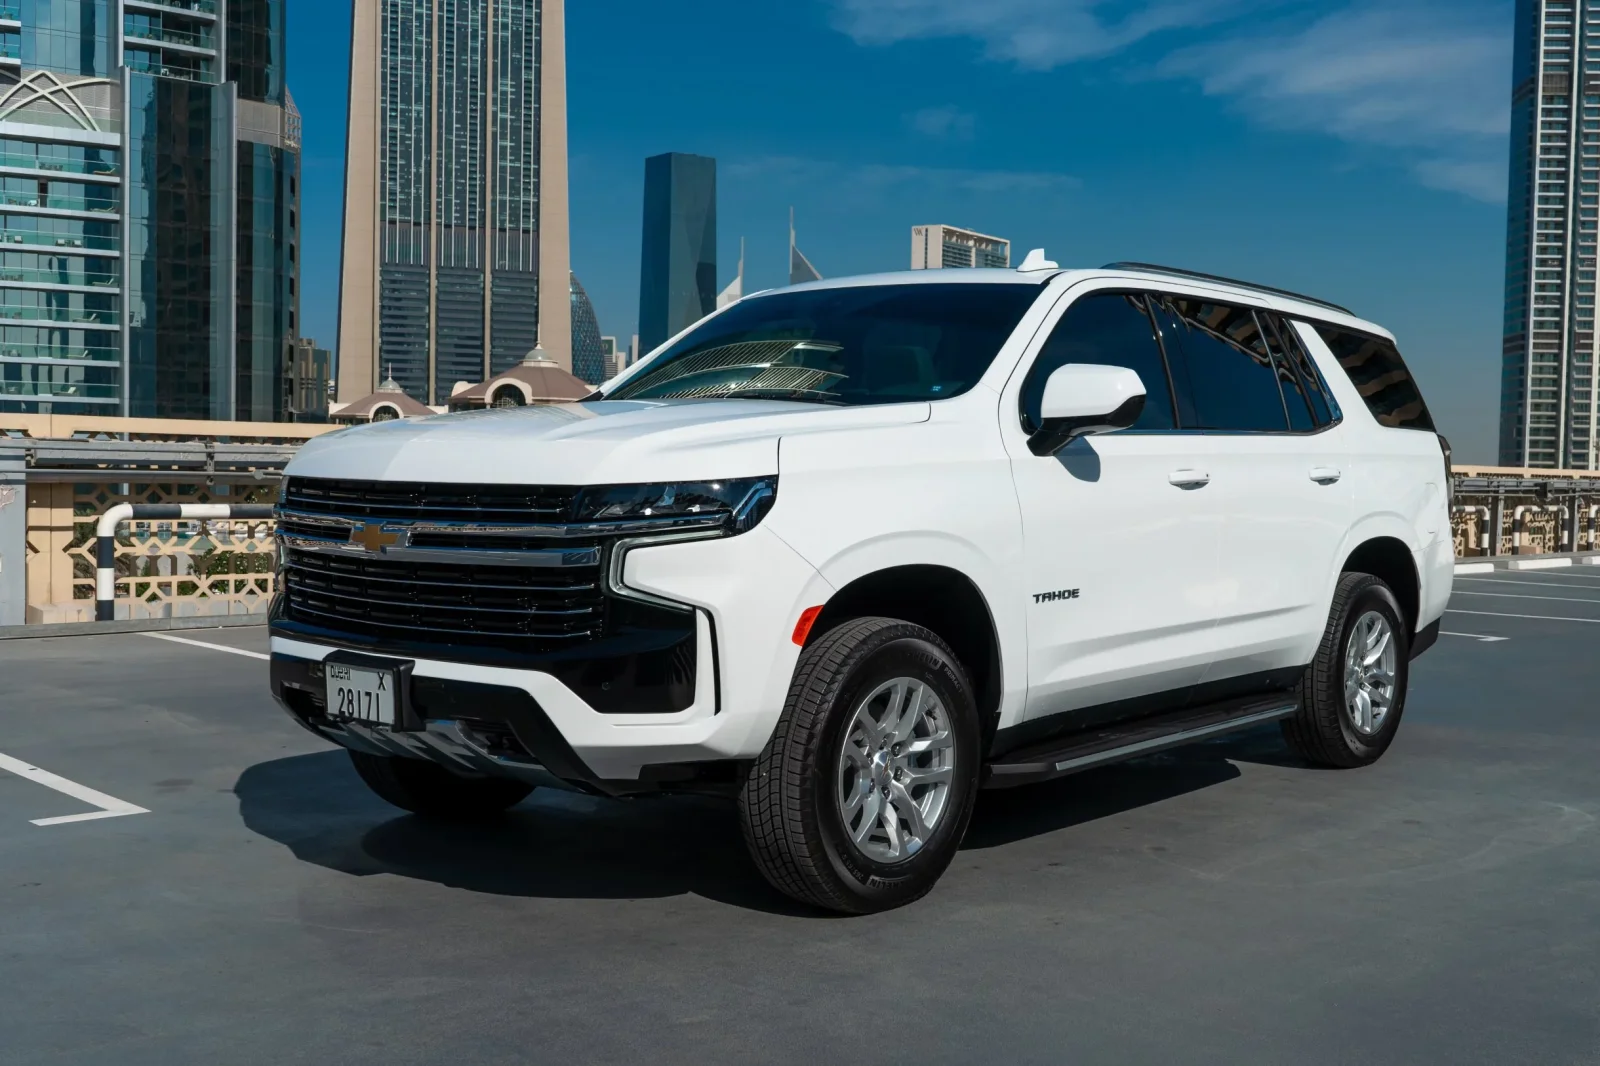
{"x": 737, "y": 503}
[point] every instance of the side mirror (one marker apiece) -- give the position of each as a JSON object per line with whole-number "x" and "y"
{"x": 1084, "y": 398}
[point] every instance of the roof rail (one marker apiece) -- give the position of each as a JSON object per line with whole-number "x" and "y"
{"x": 1179, "y": 272}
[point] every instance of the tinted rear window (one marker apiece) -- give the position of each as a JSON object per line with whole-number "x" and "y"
{"x": 1380, "y": 376}
{"x": 863, "y": 344}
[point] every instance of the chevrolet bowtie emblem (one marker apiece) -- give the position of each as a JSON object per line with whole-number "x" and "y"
{"x": 374, "y": 538}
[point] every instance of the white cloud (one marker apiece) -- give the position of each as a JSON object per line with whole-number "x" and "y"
{"x": 861, "y": 180}
{"x": 943, "y": 123}
{"x": 1038, "y": 34}
{"x": 1428, "y": 80}
{"x": 1481, "y": 180}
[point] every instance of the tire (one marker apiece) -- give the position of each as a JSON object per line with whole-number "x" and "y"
{"x": 793, "y": 804}
{"x": 1328, "y": 730}
{"x": 434, "y": 792}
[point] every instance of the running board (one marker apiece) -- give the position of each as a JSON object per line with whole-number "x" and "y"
{"x": 1129, "y": 740}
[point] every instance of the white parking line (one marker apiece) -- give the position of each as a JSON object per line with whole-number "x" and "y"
{"x": 1573, "y": 585}
{"x": 1536, "y": 577}
{"x": 1473, "y": 636}
{"x": 205, "y": 644}
{"x": 1535, "y": 617}
{"x": 110, "y": 806}
{"x": 1525, "y": 596}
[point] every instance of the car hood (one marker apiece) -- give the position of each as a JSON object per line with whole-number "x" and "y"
{"x": 600, "y": 443}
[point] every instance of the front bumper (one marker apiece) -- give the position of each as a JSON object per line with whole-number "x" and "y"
{"x": 511, "y": 720}
{"x": 474, "y": 728}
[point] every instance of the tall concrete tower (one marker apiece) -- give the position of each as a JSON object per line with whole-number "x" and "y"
{"x": 1548, "y": 413}
{"x": 456, "y": 258}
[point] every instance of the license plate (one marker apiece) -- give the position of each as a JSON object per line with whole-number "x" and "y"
{"x": 361, "y": 694}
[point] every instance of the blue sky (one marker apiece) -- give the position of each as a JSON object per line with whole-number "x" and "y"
{"x": 1354, "y": 149}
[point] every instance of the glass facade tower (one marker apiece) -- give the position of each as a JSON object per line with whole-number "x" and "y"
{"x": 1548, "y": 416}
{"x": 149, "y": 154}
{"x": 455, "y": 198}
{"x": 678, "y": 265}
{"x": 588, "y": 350}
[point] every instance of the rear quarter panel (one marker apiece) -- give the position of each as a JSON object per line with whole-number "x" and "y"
{"x": 1399, "y": 482}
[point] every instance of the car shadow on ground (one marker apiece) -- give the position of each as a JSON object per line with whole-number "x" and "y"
{"x": 562, "y": 845}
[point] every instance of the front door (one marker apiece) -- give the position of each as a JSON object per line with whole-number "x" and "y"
{"x": 1121, "y": 533}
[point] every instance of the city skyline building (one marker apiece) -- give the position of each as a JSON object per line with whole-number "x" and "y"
{"x": 151, "y": 162}
{"x": 588, "y": 353}
{"x": 943, "y": 247}
{"x": 678, "y": 255}
{"x": 1548, "y": 415}
{"x": 455, "y": 260}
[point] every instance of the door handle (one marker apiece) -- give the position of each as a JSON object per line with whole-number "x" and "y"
{"x": 1325, "y": 475}
{"x": 1189, "y": 479}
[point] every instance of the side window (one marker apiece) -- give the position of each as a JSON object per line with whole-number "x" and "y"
{"x": 1380, "y": 376}
{"x": 1324, "y": 408}
{"x": 1221, "y": 366}
{"x": 1295, "y": 391}
{"x": 1110, "y": 329}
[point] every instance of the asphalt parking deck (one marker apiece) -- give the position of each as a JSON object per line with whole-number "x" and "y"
{"x": 1220, "y": 904}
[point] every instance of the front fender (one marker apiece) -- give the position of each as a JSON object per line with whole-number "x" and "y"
{"x": 984, "y": 569}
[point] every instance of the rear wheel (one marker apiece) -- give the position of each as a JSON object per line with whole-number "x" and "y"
{"x": 427, "y": 789}
{"x": 862, "y": 795}
{"x": 1355, "y": 690}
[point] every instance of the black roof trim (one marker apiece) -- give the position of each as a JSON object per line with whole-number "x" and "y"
{"x": 1179, "y": 272}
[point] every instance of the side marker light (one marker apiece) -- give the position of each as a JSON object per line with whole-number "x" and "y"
{"x": 802, "y": 628}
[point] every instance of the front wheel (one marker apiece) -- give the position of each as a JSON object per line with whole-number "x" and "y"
{"x": 1355, "y": 689}
{"x": 861, "y": 797}
{"x": 426, "y": 789}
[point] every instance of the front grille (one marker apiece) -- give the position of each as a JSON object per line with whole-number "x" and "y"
{"x": 522, "y": 608}
{"x": 404, "y": 501}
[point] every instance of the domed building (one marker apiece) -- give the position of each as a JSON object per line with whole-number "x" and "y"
{"x": 389, "y": 402}
{"x": 537, "y": 379}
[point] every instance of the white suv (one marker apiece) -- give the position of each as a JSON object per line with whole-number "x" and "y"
{"x": 850, "y": 551}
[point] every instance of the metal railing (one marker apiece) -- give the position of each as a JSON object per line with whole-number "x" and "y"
{"x": 58, "y": 166}
{"x": 28, "y": 275}
{"x": 59, "y": 474}
{"x": 102, "y": 205}
{"x": 34, "y": 239}
{"x": 163, "y": 34}
{"x": 105, "y": 579}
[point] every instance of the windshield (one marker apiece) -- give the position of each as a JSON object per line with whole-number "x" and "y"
{"x": 852, "y": 345}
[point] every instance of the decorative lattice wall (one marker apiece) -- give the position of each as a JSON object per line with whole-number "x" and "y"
{"x": 167, "y": 568}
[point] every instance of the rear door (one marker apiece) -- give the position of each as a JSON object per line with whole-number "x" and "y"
{"x": 1279, "y": 478}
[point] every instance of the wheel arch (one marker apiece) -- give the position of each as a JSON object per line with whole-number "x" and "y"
{"x": 940, "y": 598}
{"x": 1390, "y": 560}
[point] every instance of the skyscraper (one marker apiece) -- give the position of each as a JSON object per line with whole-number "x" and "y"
{"x": 1548, "y": 414}
{"x": 455, "y": 222}
{"x": 678, "y": 266}
{"x": 938, "y": 247}
{"x": 588, "y": 353}
{"x": 151, "y": 168}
